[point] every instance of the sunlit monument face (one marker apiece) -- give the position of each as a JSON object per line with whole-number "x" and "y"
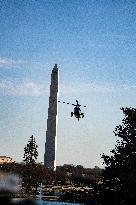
{"x": 51, "y": 133}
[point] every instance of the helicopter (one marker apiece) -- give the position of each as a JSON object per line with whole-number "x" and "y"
{"x": 77, "y": 111}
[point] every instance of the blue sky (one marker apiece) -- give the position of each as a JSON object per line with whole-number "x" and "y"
{"x": 94, "y": 45}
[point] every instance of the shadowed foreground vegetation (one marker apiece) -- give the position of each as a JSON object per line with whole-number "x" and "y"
{"x": 114, "y": 185}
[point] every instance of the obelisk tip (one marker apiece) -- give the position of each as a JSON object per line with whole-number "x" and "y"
{"x": 55, "y": 66}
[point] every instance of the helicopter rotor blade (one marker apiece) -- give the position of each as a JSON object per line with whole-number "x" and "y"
{"x": 68, "y": 103}
{"x": 65, "y": 102}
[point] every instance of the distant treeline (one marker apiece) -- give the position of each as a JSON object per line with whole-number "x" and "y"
{"x": 64, "y": 175}
{"x": 77, "y": 175}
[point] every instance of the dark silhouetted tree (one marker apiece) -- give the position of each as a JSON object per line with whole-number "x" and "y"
{"x": 119, "y": 175}
{"x": 30, "y": 182}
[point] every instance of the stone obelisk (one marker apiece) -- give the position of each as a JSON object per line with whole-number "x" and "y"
{"x": 52, "y": 121}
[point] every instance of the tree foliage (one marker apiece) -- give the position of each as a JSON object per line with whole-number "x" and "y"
{"x": 30, "y": 182}
{"x": 30, "y": 152}
{"x": 76, "y": 175}
{"x": 119, "y": 176}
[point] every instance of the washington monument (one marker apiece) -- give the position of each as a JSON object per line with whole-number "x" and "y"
{"x": 51, "y": 133}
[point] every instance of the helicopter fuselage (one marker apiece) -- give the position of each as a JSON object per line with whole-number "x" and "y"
{"x": 77, "y": 113}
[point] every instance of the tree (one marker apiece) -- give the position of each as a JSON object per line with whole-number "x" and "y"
{"x": 30, "y": 152}
{"x": 30, "y": 182}
{"x": 119, "y": 175}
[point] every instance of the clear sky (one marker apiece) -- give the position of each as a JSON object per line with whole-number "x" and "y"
{"x": 94, "y": 44}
